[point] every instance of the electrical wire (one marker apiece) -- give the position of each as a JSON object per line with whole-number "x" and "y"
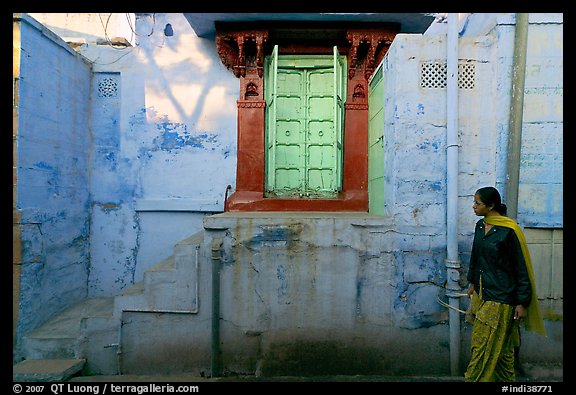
{"x": 449, "y": 306}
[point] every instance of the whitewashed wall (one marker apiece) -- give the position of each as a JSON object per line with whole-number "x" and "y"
{"x": 176, "y": 150}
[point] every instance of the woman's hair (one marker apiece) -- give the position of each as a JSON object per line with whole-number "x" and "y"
{"x": 490, "y": 195}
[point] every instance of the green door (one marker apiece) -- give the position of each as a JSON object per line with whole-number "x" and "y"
{"x": 303, "y": 125}
{"x": 376, "y": 143}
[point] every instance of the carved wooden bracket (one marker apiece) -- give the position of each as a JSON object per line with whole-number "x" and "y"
{"x": 239, "y": 50}
{"x": 368, "y": 47}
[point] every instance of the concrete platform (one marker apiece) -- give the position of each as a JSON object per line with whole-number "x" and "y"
{"x": 530, "y": 373}
{"x": 46, "y": 369}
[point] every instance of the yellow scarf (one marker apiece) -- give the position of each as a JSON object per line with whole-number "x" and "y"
{"x": 534, "y": 321}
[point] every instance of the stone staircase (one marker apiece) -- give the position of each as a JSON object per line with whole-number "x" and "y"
{"x": 85, "y": 338}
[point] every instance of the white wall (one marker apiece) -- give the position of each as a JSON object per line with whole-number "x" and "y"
{"x": 540, "y": 203}
{"x": 176, "y": 148}
{"x": 89, "y": 27}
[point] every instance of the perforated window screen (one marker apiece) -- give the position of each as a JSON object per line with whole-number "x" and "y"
{"x": 433, "y": 75}
{"x": 107, "y": 85}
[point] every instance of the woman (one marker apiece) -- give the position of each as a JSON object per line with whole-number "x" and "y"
{"x": 502, "y": 290}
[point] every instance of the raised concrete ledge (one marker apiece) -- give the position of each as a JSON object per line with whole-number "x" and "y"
{"x": 46, "y": 369}
{"x": 297, "y": 214}
{"x": 225, "y": 220}
{"x": 193, "y": 205}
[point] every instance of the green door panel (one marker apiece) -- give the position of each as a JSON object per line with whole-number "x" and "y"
{"x": 338, "y": 111}
{"x": 289, "y": 82}
{"x": 303, "y": 125}
{"x": 291, "y": 181}
{"x": 270, "y": 93}
{"x": 290, "y": 165}
{"x": 320, "y": 122}
{"x": 376, "y": 143}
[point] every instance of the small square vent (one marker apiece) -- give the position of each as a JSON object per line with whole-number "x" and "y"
{"x": 434, "y": 75}
{"x": 108, "y": 86}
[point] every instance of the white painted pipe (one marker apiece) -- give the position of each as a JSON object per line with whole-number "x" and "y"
{"x": 452, "y": 259}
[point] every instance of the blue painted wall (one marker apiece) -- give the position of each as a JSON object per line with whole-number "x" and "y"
{"x": 53, "y": 143}
{"x": 101, "y": 207}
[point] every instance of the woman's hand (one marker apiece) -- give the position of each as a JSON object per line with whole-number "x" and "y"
{"x": 470, "y": 290}
{"x": 519, "y": 312}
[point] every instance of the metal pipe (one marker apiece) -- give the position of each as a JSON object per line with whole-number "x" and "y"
{"x": 215, "y": 360}
{"x": 226, "y": 197}
{"x": 452, "y": 259}
{"x": 516, "y": 113}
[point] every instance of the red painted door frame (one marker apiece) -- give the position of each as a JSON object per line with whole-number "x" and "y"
{"x": 367, "y": 47}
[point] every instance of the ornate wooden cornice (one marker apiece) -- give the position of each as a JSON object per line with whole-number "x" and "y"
{"x": 369, "y": 44}
{"x": 242, "y": 49}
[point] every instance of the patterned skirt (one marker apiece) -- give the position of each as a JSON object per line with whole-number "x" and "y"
{"x": 495, "y": 334}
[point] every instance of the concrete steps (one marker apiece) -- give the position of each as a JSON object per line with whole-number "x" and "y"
{"x": 86, "y": 336}
{"x": 46, "y": 369}
{"x": 60, "y": 337}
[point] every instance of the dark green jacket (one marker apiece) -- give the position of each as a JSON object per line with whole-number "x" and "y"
{"x": 497, "y": 257}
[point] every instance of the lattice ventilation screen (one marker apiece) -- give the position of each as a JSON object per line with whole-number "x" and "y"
{"x": 108, "y": 85}
{"x": 433, "y": 75}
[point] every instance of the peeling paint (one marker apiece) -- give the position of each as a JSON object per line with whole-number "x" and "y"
{"x": 427, "y": 144}
{"x": 107, "y": 206}
{"x": 173, "y": 140}
{"x": 282, "y": 285}
{"x": 437, "y": 186}
{"x": 44, "y": 165}
{"x": 420, "y": 110}
{"x": 175, "y": 135}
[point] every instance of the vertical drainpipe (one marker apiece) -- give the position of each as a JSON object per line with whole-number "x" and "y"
{"x": 516, "y": 113}
{"x": 452, "y": 259}
{"x": 215, "y": 349}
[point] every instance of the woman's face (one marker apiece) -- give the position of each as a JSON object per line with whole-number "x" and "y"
{"x": 479, "y": 207}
